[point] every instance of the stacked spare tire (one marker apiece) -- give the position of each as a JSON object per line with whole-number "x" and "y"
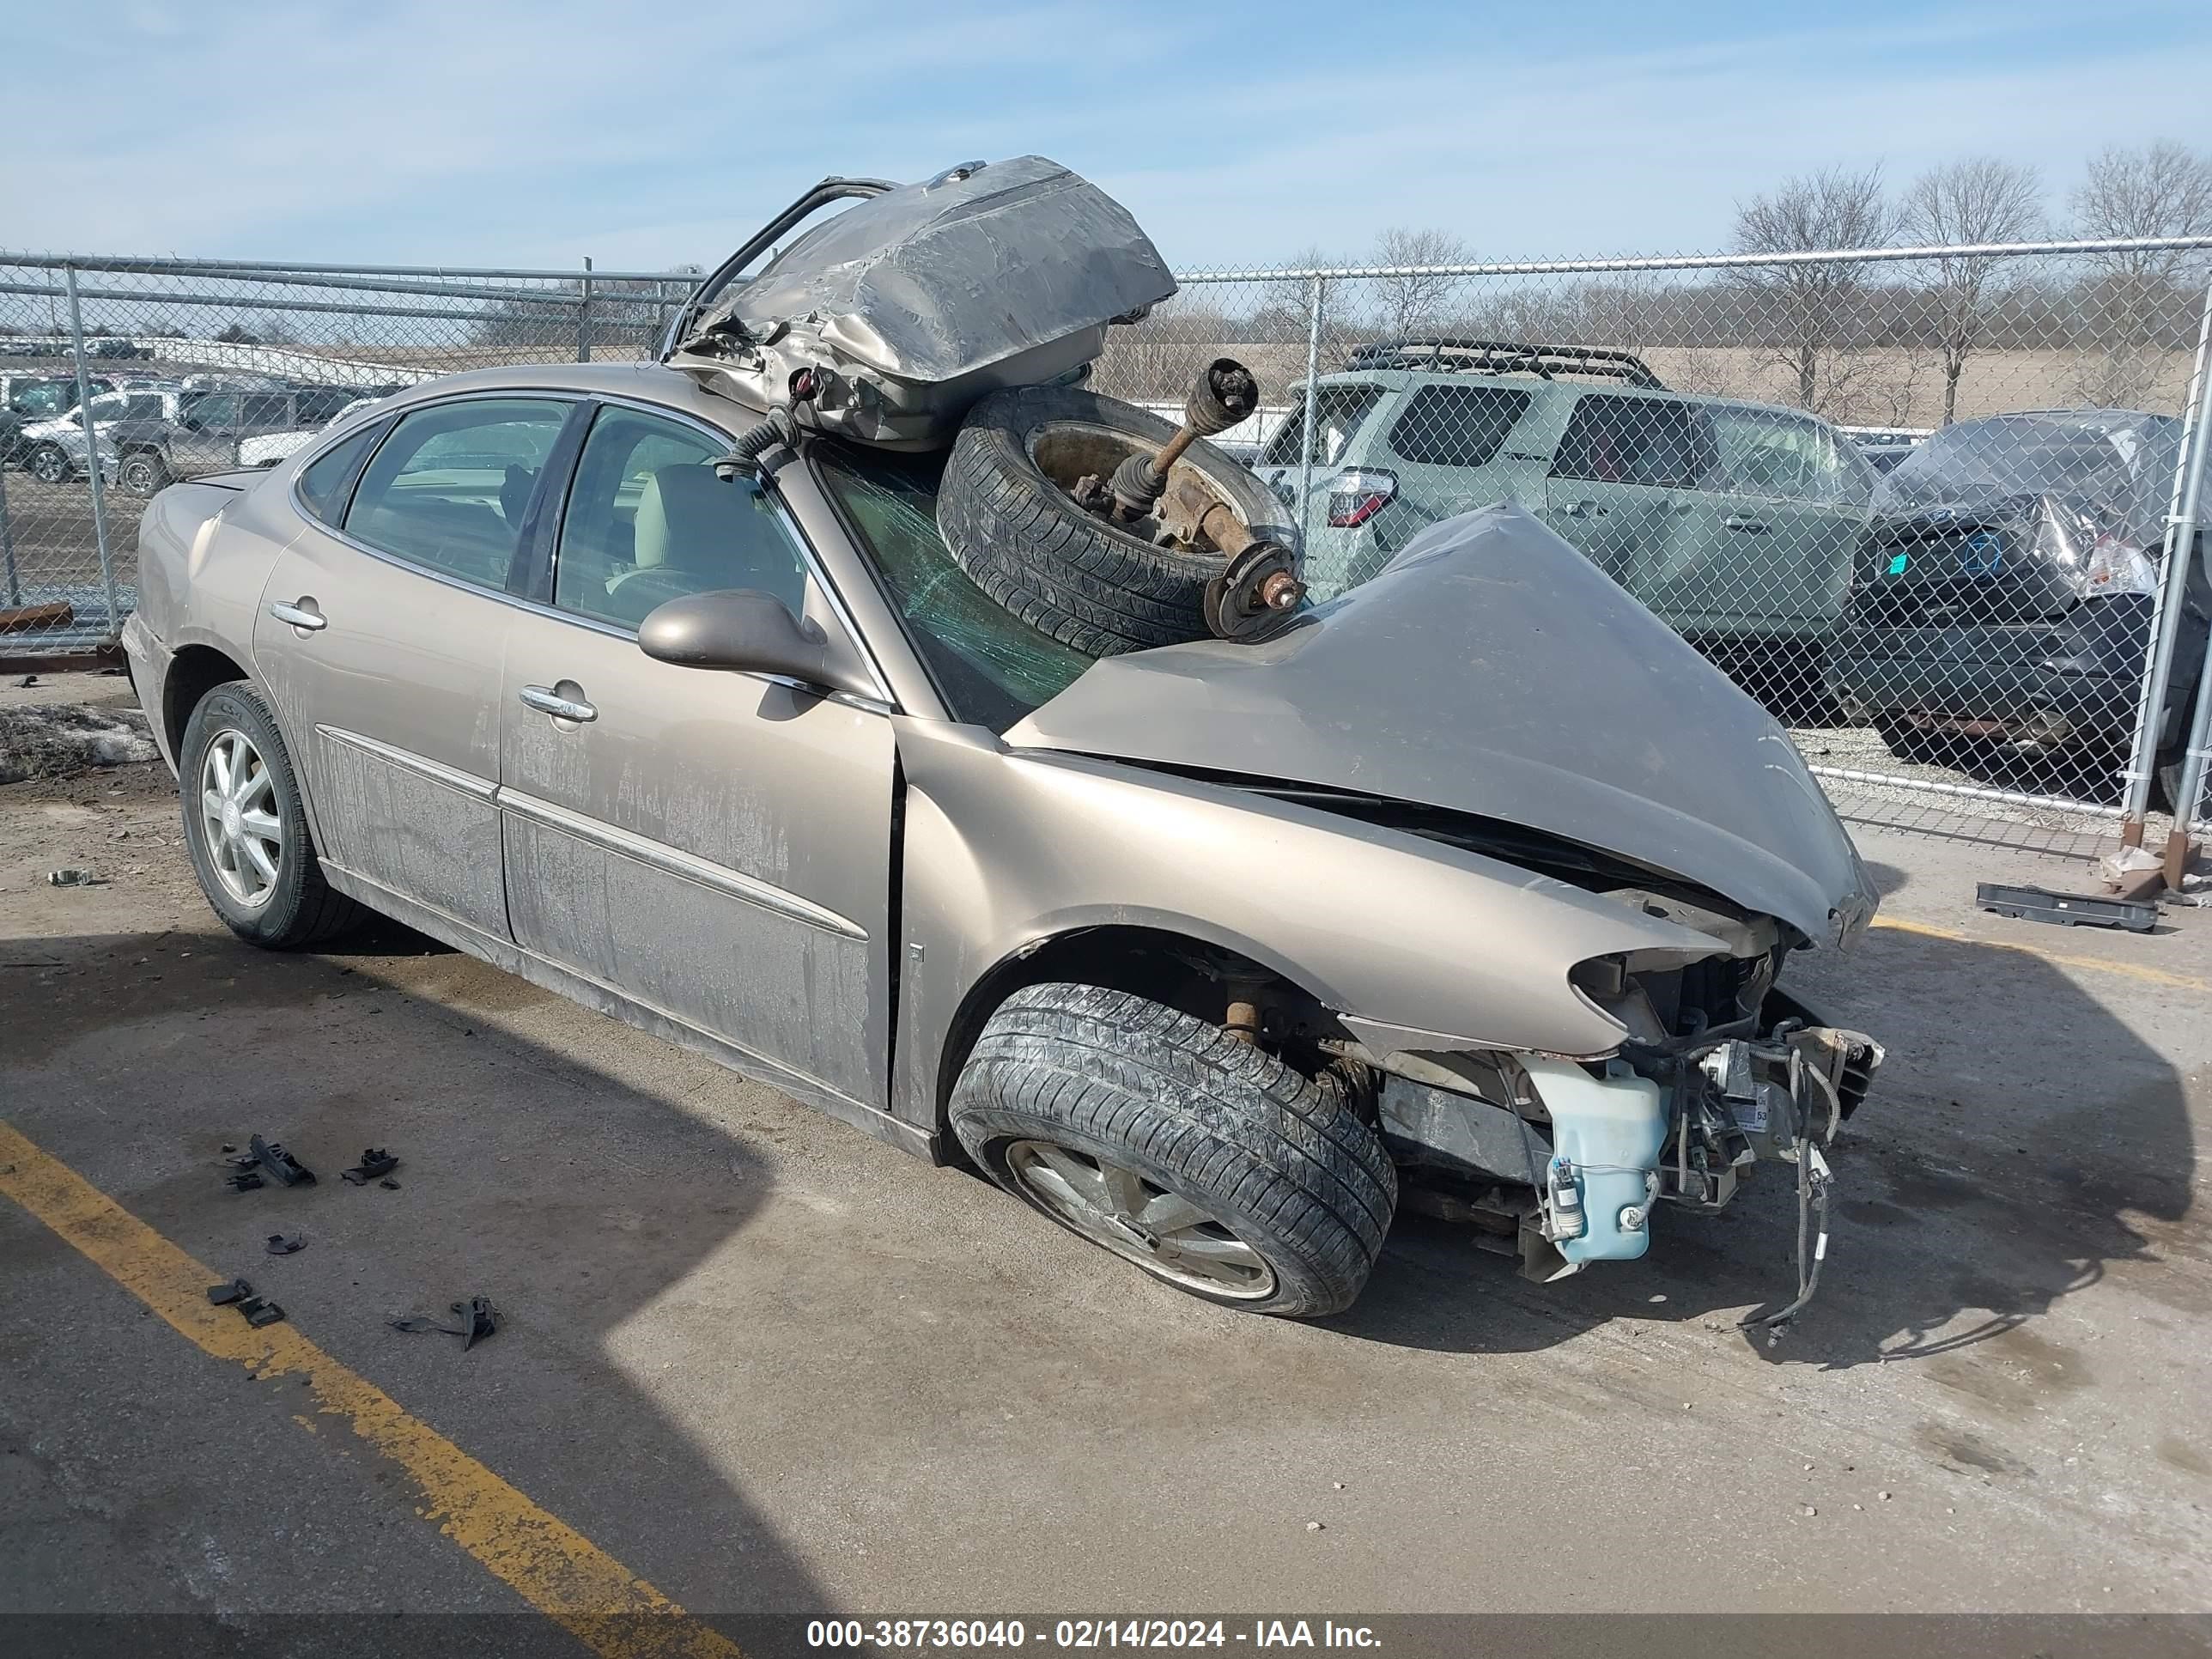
{"x": 965, "y": 311}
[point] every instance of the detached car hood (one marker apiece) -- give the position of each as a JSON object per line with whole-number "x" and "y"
{"x": 1491, "y": 669}
{"x": 911, "y": 305}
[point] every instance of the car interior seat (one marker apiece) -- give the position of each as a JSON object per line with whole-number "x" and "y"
{"x": 695, "y": 533}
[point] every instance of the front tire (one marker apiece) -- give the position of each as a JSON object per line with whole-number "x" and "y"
{"x": 49, "y": 465}
{"x": 1207, "y": 1161}
{"x": 247, "y": 830}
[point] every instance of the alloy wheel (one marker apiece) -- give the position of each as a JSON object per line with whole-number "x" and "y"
{"x": 1138, "y": 1219}
{"x": 244, "y": 831}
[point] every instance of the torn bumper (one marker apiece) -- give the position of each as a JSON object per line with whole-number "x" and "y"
{"x": 1580, "y": 1160}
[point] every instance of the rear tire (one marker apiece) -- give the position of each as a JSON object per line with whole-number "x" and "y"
{"x": 1023, "y": 540}
{"x": 50, "y": 465}
{"x": 143, "y": 473}
{"x": 1207, "y": 1161}
{"x": 241, "y": 799}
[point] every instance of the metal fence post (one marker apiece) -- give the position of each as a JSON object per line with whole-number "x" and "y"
{"x": 2167, "y": 604}
{"x": 1316, "y": 292}
{"x": 8, "y": 546}
{"x": 2181, "y": 848}
{"x": 584, "y": 318}
{"x": 92, "y": 456}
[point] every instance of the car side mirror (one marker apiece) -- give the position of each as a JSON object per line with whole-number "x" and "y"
{"x": 743, "y": 630}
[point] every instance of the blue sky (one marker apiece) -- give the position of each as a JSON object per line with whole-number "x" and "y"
{"x": 1236, "y": 129}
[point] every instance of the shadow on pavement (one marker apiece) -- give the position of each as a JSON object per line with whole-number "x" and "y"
{"x": 575, "y": 1202}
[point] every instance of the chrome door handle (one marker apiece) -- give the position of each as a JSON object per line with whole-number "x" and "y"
{"x": 296, "y": 616}
{"x": 1585, "y": 510}
{"x": 546, "y": 700}
{"x": 1749, "y": 527}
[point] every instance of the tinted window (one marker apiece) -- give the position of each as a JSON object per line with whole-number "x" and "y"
{"x": 323, "y": 480}
{"x": 448, "y": 487}
{"x": 1640, "y": 440}
{"x": 1457, "y": 425}
{"x": 145, "y": 406}
{"x": 267, "y": 412}
{"x": 43, "y": 399}
{"x": 208, "y": 413}
{"x": 991, "y": 667}
{"x": 1337, "y": 416}
{"x": 648, "y": 521}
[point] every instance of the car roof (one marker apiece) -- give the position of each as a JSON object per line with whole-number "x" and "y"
{"x": 1401, "y": 379}
{"x": 654, "y": 382}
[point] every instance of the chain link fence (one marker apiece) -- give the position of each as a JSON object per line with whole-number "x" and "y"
{"x": 1837, "y": 474}
{"x": 1922, "y": 503}
{"x": 187, "y": 367}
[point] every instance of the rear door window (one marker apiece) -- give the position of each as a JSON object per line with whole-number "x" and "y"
{"x": 325, "y": 481}
{"x": 1637, "y": 440}
{"x": 1457, "y": 425}
{"x": 215, "y": 414}
{"x": 1336, "y": 417}
{"x": 448, "y": 489}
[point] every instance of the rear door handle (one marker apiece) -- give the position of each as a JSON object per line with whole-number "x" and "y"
{"x": 1749, "y": 527}
{"x": 299, "y": 614}
{"x": 546, "y": 700}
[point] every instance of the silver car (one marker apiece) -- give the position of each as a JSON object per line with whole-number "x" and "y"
{"x": 1467, "y": 891}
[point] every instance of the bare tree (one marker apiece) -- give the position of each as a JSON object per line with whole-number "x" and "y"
{"x": 2163, "y": 190}
{"x": 1417, "y": 300}
{"x": 1978, "y": 200}
{"x": 1811, "y": 303}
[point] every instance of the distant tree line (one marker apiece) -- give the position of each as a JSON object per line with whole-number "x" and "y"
{"x": 1840, "y": 337}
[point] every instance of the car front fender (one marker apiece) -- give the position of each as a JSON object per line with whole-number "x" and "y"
{"x": 1005, "y": 849}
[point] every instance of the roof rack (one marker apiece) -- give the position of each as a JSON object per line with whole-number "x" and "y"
{"x": 1460, "y": 356}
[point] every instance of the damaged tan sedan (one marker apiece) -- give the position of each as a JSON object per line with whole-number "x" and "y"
{"x": 1466, "y": 891}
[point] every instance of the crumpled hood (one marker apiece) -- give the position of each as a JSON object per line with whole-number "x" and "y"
{"x": 1491, "y": 669}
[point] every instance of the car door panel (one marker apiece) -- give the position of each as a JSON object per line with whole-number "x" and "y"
{"x": 393, "y": 709}
{"x": 384, "y": 644}
{"x": 1624, "y": 529}
{"x": 716, "y": 847}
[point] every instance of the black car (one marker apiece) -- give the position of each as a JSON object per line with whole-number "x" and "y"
{"x": 2006, "y": 593}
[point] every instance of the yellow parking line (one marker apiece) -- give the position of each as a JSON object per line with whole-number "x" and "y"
{"x": 553, "y": 1567}
{"x": 2063, "y": 959}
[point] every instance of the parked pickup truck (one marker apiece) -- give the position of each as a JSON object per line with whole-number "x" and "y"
{"x": 148, "y": 438}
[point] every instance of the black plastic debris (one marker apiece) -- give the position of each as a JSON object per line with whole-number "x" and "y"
{"x": 2066, "y": 909}
{"x": 389, "y": 1185}
{"x": 273, "y": 1157}
{"x": 244, "y": 1182}
{"x": 479, "y": 1319}
{"x": 374, "y": 1162}
{"x": 237, "y": 1293}
{"x": 284, "y": 1244}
